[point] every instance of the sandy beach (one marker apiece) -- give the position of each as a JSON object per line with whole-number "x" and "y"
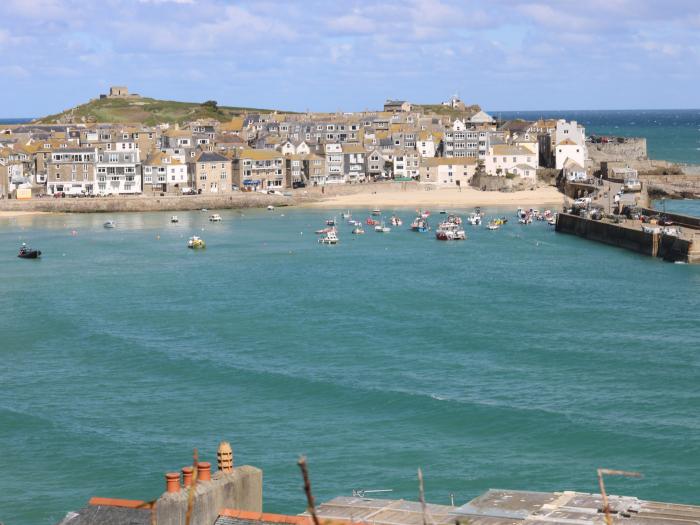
{"x": 441, "y": 198}
{"x": 9, "y": 214}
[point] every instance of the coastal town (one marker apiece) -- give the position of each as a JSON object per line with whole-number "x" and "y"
{"x": 450, "y": 145}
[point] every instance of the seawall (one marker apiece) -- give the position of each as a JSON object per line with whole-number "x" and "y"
{"x": 667, "y": 247}
{"x": 143, "y": 203}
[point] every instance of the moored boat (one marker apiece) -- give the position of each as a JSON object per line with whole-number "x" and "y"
{"x": 376, "y": 212}
{"x": 358, "y": 229}
{"x": 215, "y": 218}
{"x": 371, "y": 222}
{"x": 330, "y": 238}
{"x": 474, "y": 219}
{"x": 396, "y": 221}
{"x": 25, "y": 252}
{"x": 450, "y": 231}
{"x": 493, "y": 225}
{"x": 382, "y": 228}
{"x": 196, "y": 243}
{"x": 110, "y": 224}
{"x": 270, "y": 208}
{"x": 174, "y": 219}
{"x": 330, "y": 222}
{"x": 420, "y": 224}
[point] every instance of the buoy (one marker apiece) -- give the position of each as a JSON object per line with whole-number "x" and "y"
{"x": 157, "y": 237}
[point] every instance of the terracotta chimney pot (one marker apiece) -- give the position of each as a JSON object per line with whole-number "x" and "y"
{"x": 187, "y": 476}
{"x": 204, "y": 471}
{"x": 172, "y": 482}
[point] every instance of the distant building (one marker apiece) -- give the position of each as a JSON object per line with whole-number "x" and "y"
{"x": 396, "y": 106}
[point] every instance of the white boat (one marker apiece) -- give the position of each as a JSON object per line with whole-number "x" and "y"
{"x": 450, "y": 231}
{"x": 110, "y": 224}
{"x": 329, "y": 238}
{"x": 396, "y": 221}
{"x": 474, "y": 219}
{"x": 174, "y": 219}
{"x": 376, "y": 212}
{"x": 196, "y": 243}
{"x": 493, "y": 225}
{"x": 270, "y": 208}
{"x": 346, "y": 215}
{"x": 215, "y": 218}
{"x": 358, "y": 230}
{"x": 381, "y": 228}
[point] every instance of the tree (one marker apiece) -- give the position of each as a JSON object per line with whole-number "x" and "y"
{"x": 211, "y": 104}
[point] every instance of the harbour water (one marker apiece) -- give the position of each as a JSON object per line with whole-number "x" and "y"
{"x": 518, "y": 358}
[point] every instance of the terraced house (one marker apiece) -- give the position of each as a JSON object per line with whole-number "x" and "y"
{"x": 164, "y": 173}
{"x": 212, "y": 173}
{"x": 118, "y": 168}
{"x": 72, "y": 171}
{"x": 255, "y": 169}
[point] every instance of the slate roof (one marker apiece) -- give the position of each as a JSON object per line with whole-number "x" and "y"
{"x": 107, "y": 515}
{"x": 207, "y": 156}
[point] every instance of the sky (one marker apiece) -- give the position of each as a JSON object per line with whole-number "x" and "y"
{"x": 352, "y": 55}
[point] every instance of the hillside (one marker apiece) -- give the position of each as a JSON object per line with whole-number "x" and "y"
{"x": 448, "y": 110}
{"x": 148, "y": 111}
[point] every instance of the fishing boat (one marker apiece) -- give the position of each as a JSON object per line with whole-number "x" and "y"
{"x": 196, "y": 243}
{"x": 443, "y": 212}
{"x": 25, "y": 252}
{"x": 330, "y": 238}
{"x": 454, "y": 219}
{"x": 382, "y": 228}
{"x": 474, "y": 219}
{"x": 358, "y": 230}
{"x": 371, "y": 222}
{"x": 552, "y": 219}
{"x": 424, "y": 214}
{"x": 493, "y": 225}
{"x": 376, "y": 212}
{"x": 215, "y": 218}
{"x": 270, "y": 208}
{"x": 346, "y": 215}
{"x": 396, "y": 221}
{"x": 323, "y": 231}
{"x": 174, "y": 219}
{"x": 110, "y": 224}
{"x": 330, "y": 222}
{"x": 420, "y": 225}
{"x": 450, "y": 231}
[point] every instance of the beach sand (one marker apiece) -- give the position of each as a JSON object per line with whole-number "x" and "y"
{"x": 9, "y": 214}
{"x": 444, "y": 198}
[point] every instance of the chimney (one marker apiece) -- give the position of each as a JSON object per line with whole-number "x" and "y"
{"x": 187, "y": 476}
{"x": 203, "y": 471}
{"x": 172, "y": 482}
{"x": 224, "y": 457}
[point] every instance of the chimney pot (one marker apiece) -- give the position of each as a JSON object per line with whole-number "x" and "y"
{"x": 224, "y": 457}
{"x": 204, "y": 471}
{"x": 187, "y": 476}
{"x": 172, "y": 482}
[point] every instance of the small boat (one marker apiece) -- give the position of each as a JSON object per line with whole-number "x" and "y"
{"x": 174, "y": 219}
{"x": 110, "y": 224}
{"x": 396, "y": 221}
{"x": 493, "y": 225}
{"x": 204, "y": 209}
{"x": 25, "y": 252}
{"x": 330, "y": 222}
{"x": 376, "y": 212}
{"x": 381, "y": 228}
{"x": 371, "y": 222}
{"x": 196, "y": 243}
{"x": 424, "y": 214}
{"x": 443, "y": 212}
{"x": 270, "y": 208}
{"x": 346, "y": 215}
{"x": 358, "y": 230}
{"x": 552, "y": 219}
{"x": 323, "y": 231}
{"x": 420, "y": 225}
{"x": 330, "y": 238}
{"x": 474, "y": 219}
{"x": 215, "y": 218}
{"x": 450, "y": 231}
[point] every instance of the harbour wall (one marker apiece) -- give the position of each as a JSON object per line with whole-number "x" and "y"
{"x": 667, "y": 247}
{"x": 633, "y": 148}
{"x": 145, "y": 204}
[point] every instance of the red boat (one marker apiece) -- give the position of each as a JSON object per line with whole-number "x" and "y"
{"x": 371, "y": 222}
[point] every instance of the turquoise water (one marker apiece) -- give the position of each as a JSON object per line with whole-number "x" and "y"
{"x": 672, "y": 134}
{"x": 519, "y": 358}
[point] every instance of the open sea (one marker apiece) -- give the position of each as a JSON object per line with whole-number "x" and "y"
{"x": 519, "y": 358}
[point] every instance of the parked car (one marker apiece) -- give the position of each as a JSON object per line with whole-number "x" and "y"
{"x": 583, "y": 202}
{"x": 298, "y": 184}
{"x": 665, "y": 221}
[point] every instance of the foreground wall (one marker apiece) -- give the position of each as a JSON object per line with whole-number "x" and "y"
{"x": 667, "y": 247}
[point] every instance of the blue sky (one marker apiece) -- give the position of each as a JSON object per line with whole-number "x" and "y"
{"x": 352, "y": 55}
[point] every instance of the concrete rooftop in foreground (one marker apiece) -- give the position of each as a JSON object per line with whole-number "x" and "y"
{"x": 512, "y": 507}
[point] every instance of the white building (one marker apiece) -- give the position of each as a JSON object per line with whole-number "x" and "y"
{"x": 118, "y": 168}
{"x": 569, "y": 149}
{"x": 334, "y": 164}
{"x": 481, "y": 117}
{"x": 163, "y": 172}
{"x": 506, "y": 158}
{"x": 573, "y": 171}
{"x": 447, "y": 172}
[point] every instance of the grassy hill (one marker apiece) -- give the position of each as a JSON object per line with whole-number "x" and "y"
{"x": 148, "y": 111}
{"x": 448, "y": 110}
